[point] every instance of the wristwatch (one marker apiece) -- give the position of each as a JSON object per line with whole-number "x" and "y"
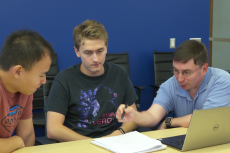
{"x": 168, "y": 122}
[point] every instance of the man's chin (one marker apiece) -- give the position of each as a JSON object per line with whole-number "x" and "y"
{"x": 183, "y": 87}
{"x": 29, "y": 93}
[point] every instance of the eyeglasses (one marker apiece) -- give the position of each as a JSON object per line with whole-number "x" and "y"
{"x": 185, "y": 73}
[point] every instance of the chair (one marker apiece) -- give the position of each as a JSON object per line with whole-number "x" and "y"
{"x": 162, "y": 64}
{"x": 46, "y": 90}
{"x": 38, "y": 115}
{"x": 53, "y": 71}
{"x": 123, "y": 60}
{"x": 38, "y": 101}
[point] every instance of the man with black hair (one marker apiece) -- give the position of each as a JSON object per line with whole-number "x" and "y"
{"x": 25, "y": 59}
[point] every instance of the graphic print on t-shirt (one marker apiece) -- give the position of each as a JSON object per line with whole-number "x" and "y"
{"x": 90, "y": 106}
{"x": 9, "y": 121}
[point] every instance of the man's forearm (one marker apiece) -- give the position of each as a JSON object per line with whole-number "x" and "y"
{"x": 62, "y": 134}
{"x": 145, "y": 119}
{"x": 129, "y": 126}
{"x": 181, "y": 121}
{"x": 10, "y": 144}
{"x": 30, "y": 140}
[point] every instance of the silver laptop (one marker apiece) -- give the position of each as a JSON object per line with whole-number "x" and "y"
{"x": 208, "y": 127}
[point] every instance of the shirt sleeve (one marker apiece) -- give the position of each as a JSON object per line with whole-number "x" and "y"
{"x": 164, "y": 96}
{"x": 58, "y": 98}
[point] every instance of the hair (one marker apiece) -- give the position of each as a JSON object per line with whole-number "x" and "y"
{"x": 89, "y": 29}
{"x": 191, "y": 49}
{"x": 25, "y": 48}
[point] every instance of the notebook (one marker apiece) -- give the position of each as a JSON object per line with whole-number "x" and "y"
{"x": 132, "y": 142}
{"x": 208, "y": 127}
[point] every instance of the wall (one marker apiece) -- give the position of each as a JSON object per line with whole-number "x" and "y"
{"x": 221, "y": 24}
{"x": 138, "y": 27}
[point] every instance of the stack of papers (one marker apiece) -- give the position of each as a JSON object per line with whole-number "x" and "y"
{"x": 132, "y": 142}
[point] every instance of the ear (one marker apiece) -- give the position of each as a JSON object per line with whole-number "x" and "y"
{"x": 76, "y": 51}
{"x": 17, "y": 71}
{"x": 205, "y": 68}
{"x": 107, "y": 48}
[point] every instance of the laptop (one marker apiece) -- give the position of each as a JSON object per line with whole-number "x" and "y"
{"x": 208, "y": 127}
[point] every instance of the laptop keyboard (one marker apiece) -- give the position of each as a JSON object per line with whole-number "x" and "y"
{"x": 177, "y": 143}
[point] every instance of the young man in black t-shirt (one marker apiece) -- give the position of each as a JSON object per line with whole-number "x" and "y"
{"x": 84, "y": 98}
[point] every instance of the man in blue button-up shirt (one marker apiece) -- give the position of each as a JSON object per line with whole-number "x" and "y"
{"x": 193, "y": 86}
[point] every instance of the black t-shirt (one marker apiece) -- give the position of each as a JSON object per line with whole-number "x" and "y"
{"x": 90, "y": 103}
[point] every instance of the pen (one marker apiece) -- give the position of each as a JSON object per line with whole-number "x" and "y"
{"x": 123, "y": 114}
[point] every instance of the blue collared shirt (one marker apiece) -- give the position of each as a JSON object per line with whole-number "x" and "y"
{"x": 214, "y": 91}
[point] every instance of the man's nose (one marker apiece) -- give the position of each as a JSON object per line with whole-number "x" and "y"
{"x": 43, "y": 81}
{"x": 180, "y": 77}
{"x": 95, "y": 58}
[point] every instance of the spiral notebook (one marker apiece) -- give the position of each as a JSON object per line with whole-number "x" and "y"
{"x": 132, "y": 142}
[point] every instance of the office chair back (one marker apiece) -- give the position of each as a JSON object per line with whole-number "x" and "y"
{"x": 38, "y": 116}
{"x": 123, "y": 60}
{"x": 38, "y": 101}
{"x": 53, "y": 71}
{"x": 46, "y": 91}
{"x": 38, "y": 94}
{"x": 44, "y": 140}
{"x": 51, "y": 74}
{"x": 38, "y": 98}
{"x": 119, "y": 58}
{"x": 162, "y": 65}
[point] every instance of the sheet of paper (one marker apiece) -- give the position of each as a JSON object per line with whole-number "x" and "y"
{"x": 131, "y": 142}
